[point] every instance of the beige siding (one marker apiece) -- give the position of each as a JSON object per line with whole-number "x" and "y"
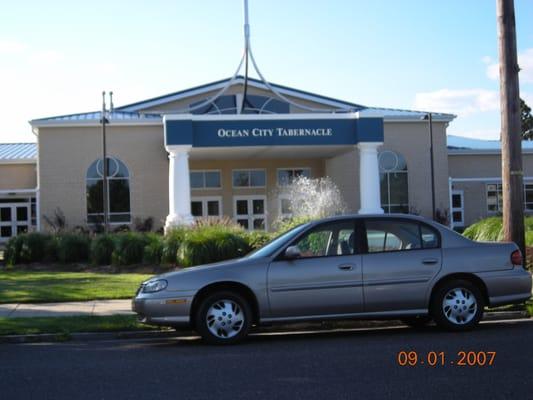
{"x": 18, "y": 176}
{"x": 344, "y": 171}
{"x": 66, "y": 153}
{"x": 484, "y": 167}
{"x": 271, "y": 191}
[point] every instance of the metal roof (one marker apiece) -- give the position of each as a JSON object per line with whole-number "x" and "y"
{"x": 465, "y": 145}
{"x": 96, "y": 116}
{"x": 18, "y": 152}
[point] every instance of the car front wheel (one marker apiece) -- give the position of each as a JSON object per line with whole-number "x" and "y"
{"x": 223, "y": 318}
{"x": 457, "y": 305}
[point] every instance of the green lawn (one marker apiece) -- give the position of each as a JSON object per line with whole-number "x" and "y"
{"x": 48, "y": 287}
{"x": 67, "y": 325}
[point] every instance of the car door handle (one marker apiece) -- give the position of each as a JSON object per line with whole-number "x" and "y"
{"x": 345, "y": 267}
{"x": 430, "y": 261}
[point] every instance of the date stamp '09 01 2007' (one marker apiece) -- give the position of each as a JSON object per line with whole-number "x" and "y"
{"x": 441, "y": 359}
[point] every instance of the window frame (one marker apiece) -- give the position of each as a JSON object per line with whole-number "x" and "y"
{"x": 291, "y": 169}
{"x": 461, "y": 194}
{"x": 249, "y": 170}
{"x": 250, "y": 216}
{"x": 364, "y": 238}
{"x": 108, "y": 180}
{"x": 358, "y": 249}
{"x": 203, "y": 171}
{"x": 204, "y": 200}
{"x": 386, "y": 174}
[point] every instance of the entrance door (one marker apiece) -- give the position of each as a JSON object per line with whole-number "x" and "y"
{"x": 458, "y": 208}
{"x": 250, "y": 211}
{"x": 14, "y": 219}
{"x": 326, "y": 279}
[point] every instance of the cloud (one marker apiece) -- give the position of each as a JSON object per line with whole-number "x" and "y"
{"x": 460, "y": 102}
{"x": 8, "y": 46}
{"x": 525, "y": 62}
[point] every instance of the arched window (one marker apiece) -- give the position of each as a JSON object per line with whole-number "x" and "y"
{"x": 393, "y": 179}
{"x": 118, "y": 192}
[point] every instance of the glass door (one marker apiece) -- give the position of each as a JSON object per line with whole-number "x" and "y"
{"x": 14, "y": 219}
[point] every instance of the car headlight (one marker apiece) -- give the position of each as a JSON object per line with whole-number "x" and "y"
{"x": 155, "y": 286}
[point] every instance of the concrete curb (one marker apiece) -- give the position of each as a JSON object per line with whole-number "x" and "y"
{"x": 299, "y": 327}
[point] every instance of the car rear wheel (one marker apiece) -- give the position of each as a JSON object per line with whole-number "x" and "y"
{"x": 457, "y": 305}
{"x": 223, "y": 318}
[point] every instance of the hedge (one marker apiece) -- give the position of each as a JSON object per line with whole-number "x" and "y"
{"x": 205, "y": 242}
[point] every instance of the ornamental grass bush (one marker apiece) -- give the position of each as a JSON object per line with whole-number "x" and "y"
{"x": 29, "y": 248}
{"x": 257, "y": 239}
{"x": 129, "y": 248}
{"x": 153, "y": 250}
{"x": 171, "y": 244}
{"x": 208, "y": 244}
{"x": 491, "y": 229}
{"x": 72, "y": 247}
{"x": 102, "y": 247}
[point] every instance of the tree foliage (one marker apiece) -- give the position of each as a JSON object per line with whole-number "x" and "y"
{"x": 527, "y": 121}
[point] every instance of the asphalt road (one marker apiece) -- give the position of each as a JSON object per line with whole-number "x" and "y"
{"x": 334, "y": 365}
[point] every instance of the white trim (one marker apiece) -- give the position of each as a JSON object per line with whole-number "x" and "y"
{"x": 238, "y": 81}
{"x": 249, "y": 178}
{"x": 481, "y": 152}
{"x": 254, "y": 117}
{"x": 8, "y": 161}
{"x": 13, "y": 223}
{"x": 483, "y": 179}
{"x": 17, "y": 191}
{"x": 204, "y": 200}
{"x": 250, "y": 216}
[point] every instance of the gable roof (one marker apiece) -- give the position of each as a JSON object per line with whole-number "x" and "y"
{"x": 132, "y": 114}
{"x": 18, "y": 153}
{"x": 94, "y": 117}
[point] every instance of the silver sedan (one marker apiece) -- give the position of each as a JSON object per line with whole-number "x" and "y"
{"x": 393, "y": 266}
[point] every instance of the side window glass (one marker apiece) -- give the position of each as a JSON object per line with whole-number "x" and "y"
{"x": 392, "y": 235}
{"x": 335, "y": 239}
{"x": 430, "y": 240}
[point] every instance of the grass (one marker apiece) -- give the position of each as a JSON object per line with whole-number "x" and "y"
{"x": 49, "y": 287}
{"x": 64, "y": 326}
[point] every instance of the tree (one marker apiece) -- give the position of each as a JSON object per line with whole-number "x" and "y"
{"x": 527, "y": 121}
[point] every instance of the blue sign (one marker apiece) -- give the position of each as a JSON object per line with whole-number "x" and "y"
{"x": 273, "y": 132}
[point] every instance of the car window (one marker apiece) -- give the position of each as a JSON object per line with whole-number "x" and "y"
{"x": 393, "y": 235}
{"x": 333, "y": 239}
{"x": 430, "y": 240}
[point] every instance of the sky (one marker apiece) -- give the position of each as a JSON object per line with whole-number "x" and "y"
{"x": 56, "y": 57}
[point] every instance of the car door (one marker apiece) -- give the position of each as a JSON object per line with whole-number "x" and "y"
{"x": 402, "y": 256}
{"x": 325, "y": 279}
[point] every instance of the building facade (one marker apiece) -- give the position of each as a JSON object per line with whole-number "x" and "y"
{"x": 198, "y": 153}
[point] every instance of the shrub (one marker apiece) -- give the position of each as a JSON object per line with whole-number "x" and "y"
{"x": 285, "y": 225}
{"x": 29, "y": 247}
{"x": 211, "y": 244}
{"x": 489, "y": 229}
{"x": 72, "y": 247}
{"x": 153, "y": 251}
{"x": 12, "y": 251}
{"x": 171, "y": 244}
{"x": 34, "y": 247}
{"x": 143, "y": 225}
{"x": 129, "y": 248}
{"x": 257, "y": 239}
{"x": 102, "y": 247}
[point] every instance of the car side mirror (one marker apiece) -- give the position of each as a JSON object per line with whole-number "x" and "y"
{"x": 292, "y": 253}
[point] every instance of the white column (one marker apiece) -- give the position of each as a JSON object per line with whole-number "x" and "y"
{"x": 369, "y": 178}
{"x": 179, "y": 188}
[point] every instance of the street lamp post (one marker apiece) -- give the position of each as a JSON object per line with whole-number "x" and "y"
{"x": 429, "y": 118}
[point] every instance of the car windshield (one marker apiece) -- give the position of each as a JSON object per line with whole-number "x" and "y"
{"x": 269, "y": 248}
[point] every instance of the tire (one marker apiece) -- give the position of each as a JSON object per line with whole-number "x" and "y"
{"x": 417, "y": 322}
{"x": 223, "y": 318}
{"x": 457, "y": 305}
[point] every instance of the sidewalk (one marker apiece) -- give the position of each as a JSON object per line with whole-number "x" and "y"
{"x": 87, "y": 308}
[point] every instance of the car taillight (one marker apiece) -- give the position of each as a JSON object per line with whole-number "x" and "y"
{"x": 516, "y": 258}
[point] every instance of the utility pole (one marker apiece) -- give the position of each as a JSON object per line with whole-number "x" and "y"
{"x": 512, "y": 173}
{"x": 104, "y": 165}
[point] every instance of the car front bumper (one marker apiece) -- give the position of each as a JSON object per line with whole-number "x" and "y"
{"x": 167, "y": 309}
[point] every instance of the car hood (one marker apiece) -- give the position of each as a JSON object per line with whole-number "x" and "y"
{"x": 233, "y": 263}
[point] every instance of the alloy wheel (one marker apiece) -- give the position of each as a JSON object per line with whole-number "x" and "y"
{"x": 459, "y": 306}
{"x": 225, "y": 319}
